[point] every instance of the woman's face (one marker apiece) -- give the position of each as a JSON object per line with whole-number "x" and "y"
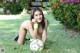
{"x": 38, "y": 16}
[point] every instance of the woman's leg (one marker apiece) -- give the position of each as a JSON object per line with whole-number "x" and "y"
{"x": 22, "y": 34}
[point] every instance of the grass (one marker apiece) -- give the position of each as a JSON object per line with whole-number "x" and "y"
{"x": 59, "y": 39}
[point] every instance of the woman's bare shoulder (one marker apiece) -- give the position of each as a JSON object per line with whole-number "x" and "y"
{"x": 46, "y": 22}
{"x": 25, "y": 23}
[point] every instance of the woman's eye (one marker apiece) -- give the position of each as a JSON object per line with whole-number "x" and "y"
{"x": 36, "y": 15}
{"x": 40, "y": 14}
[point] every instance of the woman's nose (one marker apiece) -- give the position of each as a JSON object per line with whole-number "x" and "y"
{"x": 39, "y": 16}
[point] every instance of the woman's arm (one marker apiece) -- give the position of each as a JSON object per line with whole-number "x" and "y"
{"x": 32, "y": 31}
{"x": 22, "y": 34}
{"x": 44, "y": 35}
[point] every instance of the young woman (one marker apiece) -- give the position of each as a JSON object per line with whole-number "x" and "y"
{"x": 37, "y": 26}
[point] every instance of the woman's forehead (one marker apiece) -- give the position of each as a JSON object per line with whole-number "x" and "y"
{"x": 37, "y": 12}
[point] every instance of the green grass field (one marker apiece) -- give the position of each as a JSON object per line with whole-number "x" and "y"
{"x": 59, "y": 39}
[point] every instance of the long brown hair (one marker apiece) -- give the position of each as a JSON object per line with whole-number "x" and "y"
{"x": 32, "y": 16}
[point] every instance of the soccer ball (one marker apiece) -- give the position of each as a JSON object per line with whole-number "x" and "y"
{"x": 36, "y": 45}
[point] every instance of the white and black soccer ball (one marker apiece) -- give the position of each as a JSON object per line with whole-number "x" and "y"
{"x": 36, "y": 45}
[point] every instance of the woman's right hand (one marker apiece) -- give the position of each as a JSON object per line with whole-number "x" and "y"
{"x": 35, "y": 23}
{"x": 33, "y": 20}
